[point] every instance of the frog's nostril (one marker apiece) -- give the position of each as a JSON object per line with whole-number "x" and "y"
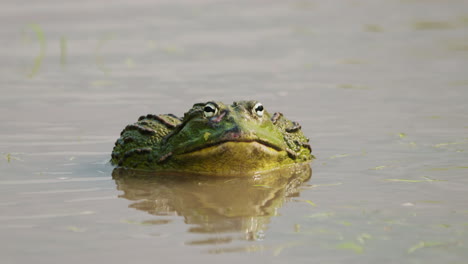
{"x": 233, "y": 133}
{"x": 217, "y": 119}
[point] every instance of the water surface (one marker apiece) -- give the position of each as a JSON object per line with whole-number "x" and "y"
{"x": 380, "y": 87}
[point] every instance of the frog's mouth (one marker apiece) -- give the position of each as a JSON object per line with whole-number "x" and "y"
{"x": 246, "y": 143}
{"x": 232, "y": 157}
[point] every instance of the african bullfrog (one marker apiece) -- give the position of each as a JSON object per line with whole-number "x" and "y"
{"x": 241, "y": 139}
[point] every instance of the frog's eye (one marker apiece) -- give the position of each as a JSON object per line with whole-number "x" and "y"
{"x": 258, "y": 109}
{"x": 210, "y": 110}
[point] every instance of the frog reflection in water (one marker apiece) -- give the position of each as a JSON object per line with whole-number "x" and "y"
{"x": 214, "y": 139}
{"x": 213, "y": 205}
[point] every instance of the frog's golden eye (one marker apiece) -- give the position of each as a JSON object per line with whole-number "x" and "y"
{"x": 210, "y": 110}
{"x": 258, "y": 109}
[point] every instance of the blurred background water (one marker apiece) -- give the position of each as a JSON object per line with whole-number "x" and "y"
{"x": 380, "y": 87}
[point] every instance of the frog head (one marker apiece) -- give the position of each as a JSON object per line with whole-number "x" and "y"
{"x": 243, "y": 138}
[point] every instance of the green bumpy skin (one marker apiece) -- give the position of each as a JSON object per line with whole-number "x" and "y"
{"x": 213, "y": 139}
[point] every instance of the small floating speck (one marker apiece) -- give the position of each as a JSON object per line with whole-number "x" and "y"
{"x": 173, "y": 50}
{"x": 373, "y": 28}
{"x": 353, "y": 87}
{"x": 76, "y": 229}
{"x": 130, "y": 63}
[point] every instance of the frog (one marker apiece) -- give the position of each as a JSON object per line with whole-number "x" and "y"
{"x": 213, "y": 139}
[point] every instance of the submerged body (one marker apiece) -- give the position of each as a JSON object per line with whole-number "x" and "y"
{"x": 241, "y": 139}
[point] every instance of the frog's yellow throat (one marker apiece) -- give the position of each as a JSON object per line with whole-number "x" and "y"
{"x": 232, "y": 157}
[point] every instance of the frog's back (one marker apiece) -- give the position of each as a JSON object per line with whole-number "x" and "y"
{"x": 138, "y": 141}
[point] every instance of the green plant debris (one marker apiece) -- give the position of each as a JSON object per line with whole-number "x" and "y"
{"x": 440, "y": 145}
{"x": 339, "y": 156}
{"x": 394, "y": 222}
{"x": 423, "y": 244}
{"x": 76, "y": 229}
{"x": 252, "y": 248}
{"x": 42, "y": 49}
{"x": 71, "y": 158}
{"x": 463, "y": 19}
{"x": 345, "y": 223}
{"x": 173, "y": 50}
{"x": 353, "y": 87}
{"x": 458, "y": 47}
{"x": 307, "y": 201}
{"x": 130, "y": 63}
{"x": 358, "y": 249}
{"x": 447, "y": 168}
{"x": 277, "y": 251}
{"x": 459, "y": 83}
{"x": 362, "y": 238}
{"x": 426, "y": 179}
{"x": 297, "y": 228}
{"x": 156, "y": 222}
{"x": 444, "y": 225}
{"x": 10, "y": 157}
{"x": 432, "y": 25}
{"x": 402, "y": 135}
{"x": 434, "y": 117}
{"x": 97, "y": 53}
{"x": 380, "y": 167}
{"x": 127, "y": 221}
{"x": 63, "y": 51}
{"x": 151, "y": 44}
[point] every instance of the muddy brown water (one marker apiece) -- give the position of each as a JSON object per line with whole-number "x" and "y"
{"x": 380, "y": 87}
